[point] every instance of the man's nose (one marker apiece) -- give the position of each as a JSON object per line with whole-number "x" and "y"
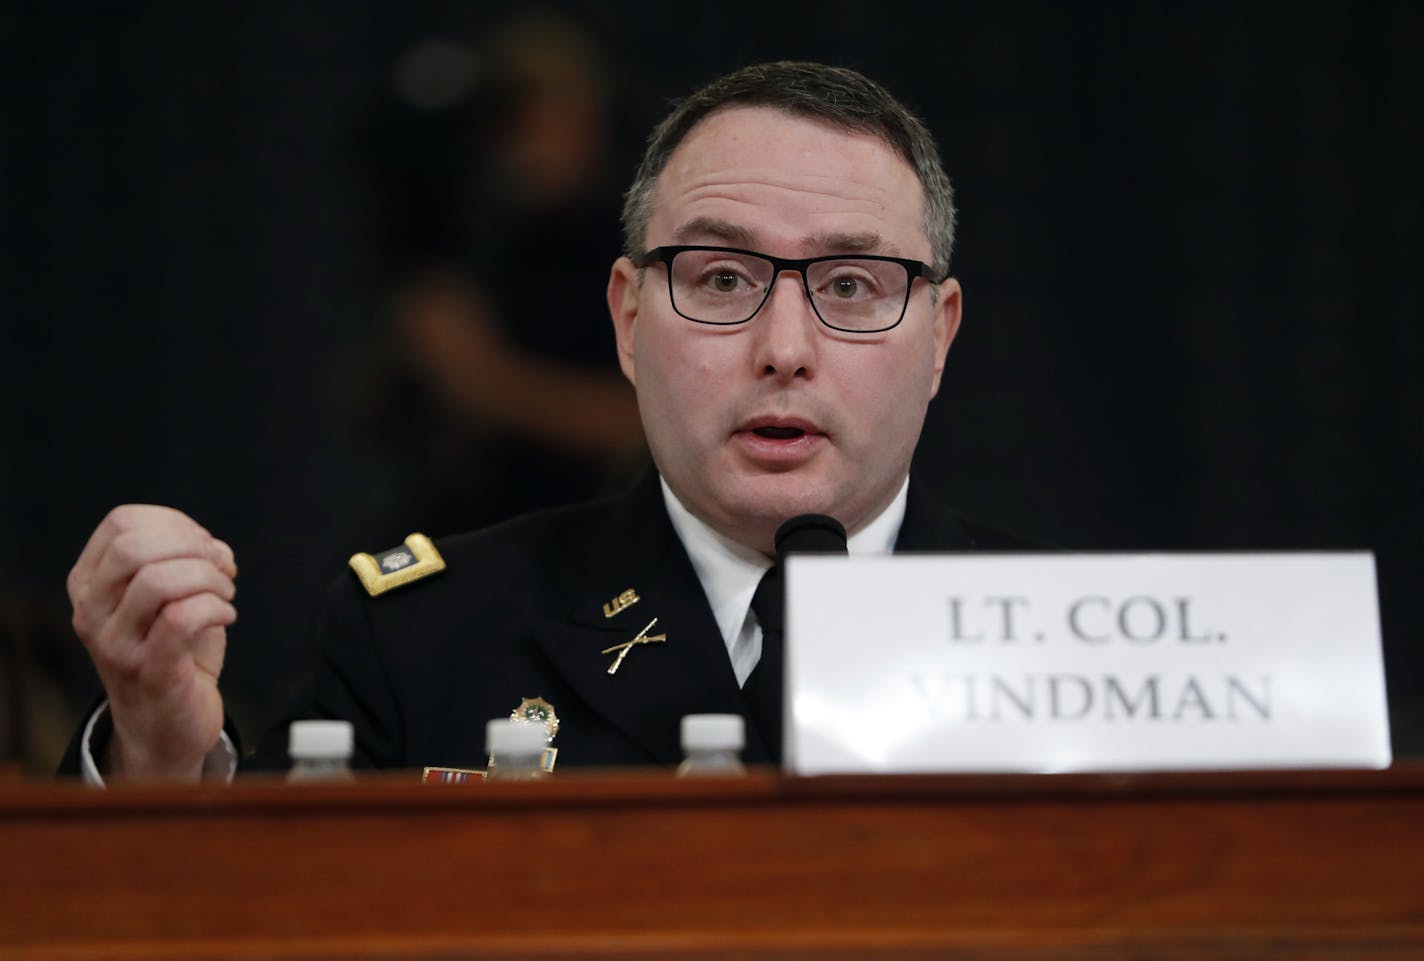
{"x": 786, "y": 328}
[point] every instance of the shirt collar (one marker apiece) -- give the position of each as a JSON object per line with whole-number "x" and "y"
{"x": 729, "y": 571}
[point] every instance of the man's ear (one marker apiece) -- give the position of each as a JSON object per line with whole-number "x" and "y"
{"x": 623, "y": 308}
{"x": 948, "y": 311}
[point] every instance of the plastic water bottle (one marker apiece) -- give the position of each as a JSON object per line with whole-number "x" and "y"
{"x": 516, "y": 749}
{"x": 712, "y": 745}
{"x": 320, "y": 750}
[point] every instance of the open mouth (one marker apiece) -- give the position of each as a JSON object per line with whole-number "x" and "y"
{"x": 780, "y": 442}
{"x": 779, "y": 433}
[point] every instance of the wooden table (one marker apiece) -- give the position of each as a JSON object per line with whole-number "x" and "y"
{"x": 642, "y": 865}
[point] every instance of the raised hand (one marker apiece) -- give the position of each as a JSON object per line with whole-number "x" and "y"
{"x": 152, "y": 595}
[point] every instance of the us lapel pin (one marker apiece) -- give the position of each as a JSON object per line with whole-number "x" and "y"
{"x": 620, "y": 603}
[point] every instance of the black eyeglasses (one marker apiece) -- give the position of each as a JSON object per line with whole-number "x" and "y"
{"x": 863, "y": 294}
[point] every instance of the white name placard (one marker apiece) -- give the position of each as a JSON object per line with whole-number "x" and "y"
{"x": 1083, "y": 662}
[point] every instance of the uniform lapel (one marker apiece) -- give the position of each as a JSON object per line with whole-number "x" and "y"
{"x": 689, "y": 673}
{"x": 657, "y": 683}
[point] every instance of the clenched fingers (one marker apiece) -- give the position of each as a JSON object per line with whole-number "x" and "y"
{"x": 123, "y": 519}
{"x": 147, "y": 598}
{"x": 185, "y": 634}
{"x": 193, "y": 628}
{"x": 130, "y": 538}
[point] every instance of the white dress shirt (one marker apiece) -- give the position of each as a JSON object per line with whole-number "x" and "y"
{"x": 730, "y": 572}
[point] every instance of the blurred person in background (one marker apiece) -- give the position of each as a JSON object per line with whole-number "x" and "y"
{"x": 500, "y": 392}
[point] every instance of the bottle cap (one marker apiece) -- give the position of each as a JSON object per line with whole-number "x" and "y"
{"x": 506, "y": 736}
{"x": 321, "y": 739}
{"x": 710, "y": 732}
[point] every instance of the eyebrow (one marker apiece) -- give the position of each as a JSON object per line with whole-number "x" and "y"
{"x": 735, "y": 235}
{"x": 701, "y": 228}
{"x": 843, "y": 243}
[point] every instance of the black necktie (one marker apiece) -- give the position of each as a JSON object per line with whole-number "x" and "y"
{"x": 763, "y": 687}
{"x": 807, "y": 533}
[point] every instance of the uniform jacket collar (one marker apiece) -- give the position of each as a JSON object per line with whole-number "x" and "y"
{"x": 690, "y": 672}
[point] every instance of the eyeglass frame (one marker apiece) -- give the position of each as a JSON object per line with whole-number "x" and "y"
{"x": 914, "y": 269}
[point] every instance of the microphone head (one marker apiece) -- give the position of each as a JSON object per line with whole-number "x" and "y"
{"x": 810, "y": 534}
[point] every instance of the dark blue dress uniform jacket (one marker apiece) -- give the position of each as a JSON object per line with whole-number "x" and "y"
{"x": 519, "y": 613}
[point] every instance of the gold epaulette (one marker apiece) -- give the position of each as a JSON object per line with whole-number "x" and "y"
{"x": 390, "y": 569}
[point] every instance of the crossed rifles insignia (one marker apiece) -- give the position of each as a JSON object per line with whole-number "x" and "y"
{"x": 617, "y": 606}
{"x": 622, "y": 650}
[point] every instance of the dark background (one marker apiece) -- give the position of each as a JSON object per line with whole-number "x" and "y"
{"x": 1190, "y": 247}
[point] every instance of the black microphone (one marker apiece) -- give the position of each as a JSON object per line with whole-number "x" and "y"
{"x": 810, "y": 534}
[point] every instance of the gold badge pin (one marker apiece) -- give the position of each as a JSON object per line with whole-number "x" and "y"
{"x": 536, "y": 710}
{"x": 620, "y": 603}
{"x": 531, "y": 710}
{"x": 622, "y": 649}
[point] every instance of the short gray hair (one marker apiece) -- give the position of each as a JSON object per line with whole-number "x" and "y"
{"x": 837, "y": 96}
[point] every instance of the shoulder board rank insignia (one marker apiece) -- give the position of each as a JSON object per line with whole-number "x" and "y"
{"x": 390, "y": 569}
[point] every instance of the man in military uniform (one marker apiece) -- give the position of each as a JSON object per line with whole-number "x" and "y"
{"x": 783, "y": 310}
